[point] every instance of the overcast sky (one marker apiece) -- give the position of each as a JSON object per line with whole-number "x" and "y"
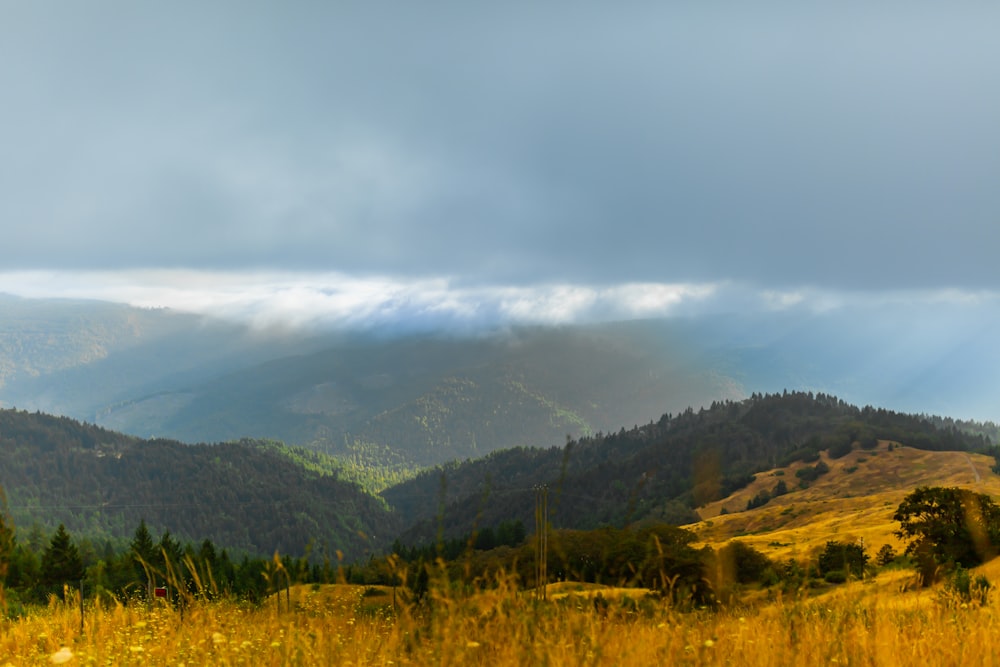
{"x": 545, "y": 159}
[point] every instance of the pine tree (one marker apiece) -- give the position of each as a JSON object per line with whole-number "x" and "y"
{"x": 61, "y": 563}
{"x": 6, "y": 544}
{"x": 143, "y": 550}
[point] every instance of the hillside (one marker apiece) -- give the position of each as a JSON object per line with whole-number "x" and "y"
{"x": 82, "y": 358}
{"x": 854, "y": 501}
{"x": 659, "y": 471}
{"x": 250, "y": 498}
{"x": 396, "y": 400}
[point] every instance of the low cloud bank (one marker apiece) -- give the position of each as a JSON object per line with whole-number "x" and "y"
{"x": 339, "y": 301}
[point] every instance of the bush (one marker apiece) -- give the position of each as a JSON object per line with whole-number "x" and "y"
{"x": 962, "y": 587}
{"x": 835, "y": 577}
{"x": 841, "y": 556}
{"x": 885, "y": 555}
{"x": 812, "y": 473}
{"x": 762, "y": 498}
{"x": 840, "y": 449}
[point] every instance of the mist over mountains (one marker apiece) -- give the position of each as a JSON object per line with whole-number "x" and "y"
{"x": 424, "y": 398}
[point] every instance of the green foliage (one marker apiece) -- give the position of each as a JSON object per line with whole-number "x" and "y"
{"x": 847, "y": 558}
{"x": 885, "y": 556}
{"x": 841, "y": 449}
{"x": 746, "y": 563}
{"x": 963, "y": 588}
{"x": 835, "y": 577}
{"x": 948, "y": 526}
{"x": 7, "y": 543}
{"x": 762, "y": 498}
{"x": 61, "y": 564}
{"x": 623, "y": 477}
{"x": 812, "y": 473}
{"x": 246, "y": 497}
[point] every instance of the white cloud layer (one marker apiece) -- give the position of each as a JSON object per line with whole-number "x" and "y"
{"x": 338, "y": 301}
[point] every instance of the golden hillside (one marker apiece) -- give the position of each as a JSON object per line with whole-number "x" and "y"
{"x": 855, "y": 500}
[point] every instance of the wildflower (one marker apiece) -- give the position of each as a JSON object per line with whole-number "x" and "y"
{"x": 136, "y": 649}
{"x": 61, "y": 656}
{"x": 709, "y": 643}
{"x": 275, "y": 644}
{"x": 218, "y": 638}
{"x": 471, "y": 644}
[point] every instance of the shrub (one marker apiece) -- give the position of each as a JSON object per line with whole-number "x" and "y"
{"x": 748, "y": 564}
{"x": 840, "y": 449}
{"x": 841, "y": 556}
{"x": 812, "y": 473}
{"x": 885, "y": 555}
{"x": 835, "y": 577}
{"x": 762, "y": 498}
{"x": 961, "y": 586}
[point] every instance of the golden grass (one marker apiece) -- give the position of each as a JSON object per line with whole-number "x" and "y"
{"x": 880, "y": 622}
{"x": 843, "y": 506}
{"x": 857, "y": 624}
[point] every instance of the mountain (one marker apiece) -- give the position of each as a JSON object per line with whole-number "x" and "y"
{"x": 260, "y": 496}
{"x": 398, "y": 401}
{"x": 405, "y": 400}
{"x": 80, "y": 358}
{"x": 434, "y": 399}
{"x": 246, "y": 497}
{"x": 659, "y": 471}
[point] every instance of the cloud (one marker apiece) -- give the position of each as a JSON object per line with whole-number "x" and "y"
{"x": 323, "y": 301}
{"x": 789, "y": 147}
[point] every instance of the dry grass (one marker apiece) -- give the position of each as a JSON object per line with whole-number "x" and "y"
{"x": 841, "y": 505}
{"x": 859, "y": 624}
{"x": 881, "y": 622}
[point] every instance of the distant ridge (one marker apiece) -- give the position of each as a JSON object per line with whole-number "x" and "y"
{"x": 662, "y": 470}
{"x": 251, "y": 499}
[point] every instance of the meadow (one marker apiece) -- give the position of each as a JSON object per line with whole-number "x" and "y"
{"x": 862, "y": 623}
{"x": 885, "y": 619}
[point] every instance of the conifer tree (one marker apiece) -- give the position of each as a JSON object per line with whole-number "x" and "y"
{"x": 143, "y": 550}
{"x": 61, "y": 563}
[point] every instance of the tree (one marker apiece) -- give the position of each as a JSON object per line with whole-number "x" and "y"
{"x": 843, "y": 557}
{"x": 6, "y": 542}
{"x": 61, "y": 563}
{"x": 951, "y": 526}
{"x": 885, "y": 555}
{"x": 143, "y": 550}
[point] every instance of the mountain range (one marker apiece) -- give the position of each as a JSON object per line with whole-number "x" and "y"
{"x": 412, "y": 399}
{"x": 258, "y": 497}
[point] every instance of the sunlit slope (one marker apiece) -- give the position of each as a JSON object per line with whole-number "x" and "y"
{"x": 855, "y": 500}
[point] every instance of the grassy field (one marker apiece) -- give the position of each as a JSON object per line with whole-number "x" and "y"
{"x": 857, "y": 624}
{"x": 882, "y": 621}
{"x": 854, "y": 501}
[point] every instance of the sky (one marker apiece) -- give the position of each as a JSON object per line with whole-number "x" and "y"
{"x": 547, "y": 162}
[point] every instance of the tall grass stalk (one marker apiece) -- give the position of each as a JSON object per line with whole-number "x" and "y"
{"x": 499, "y": 625}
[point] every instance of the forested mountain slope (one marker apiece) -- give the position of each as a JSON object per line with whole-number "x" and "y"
{"x": 661, "y": 470}
{"x": 429, "y": 399}
{"x": 246, "y": 497}
{"x": 382, "y": 399}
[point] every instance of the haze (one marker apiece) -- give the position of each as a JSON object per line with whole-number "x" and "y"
{"x": 455, "y": 165}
